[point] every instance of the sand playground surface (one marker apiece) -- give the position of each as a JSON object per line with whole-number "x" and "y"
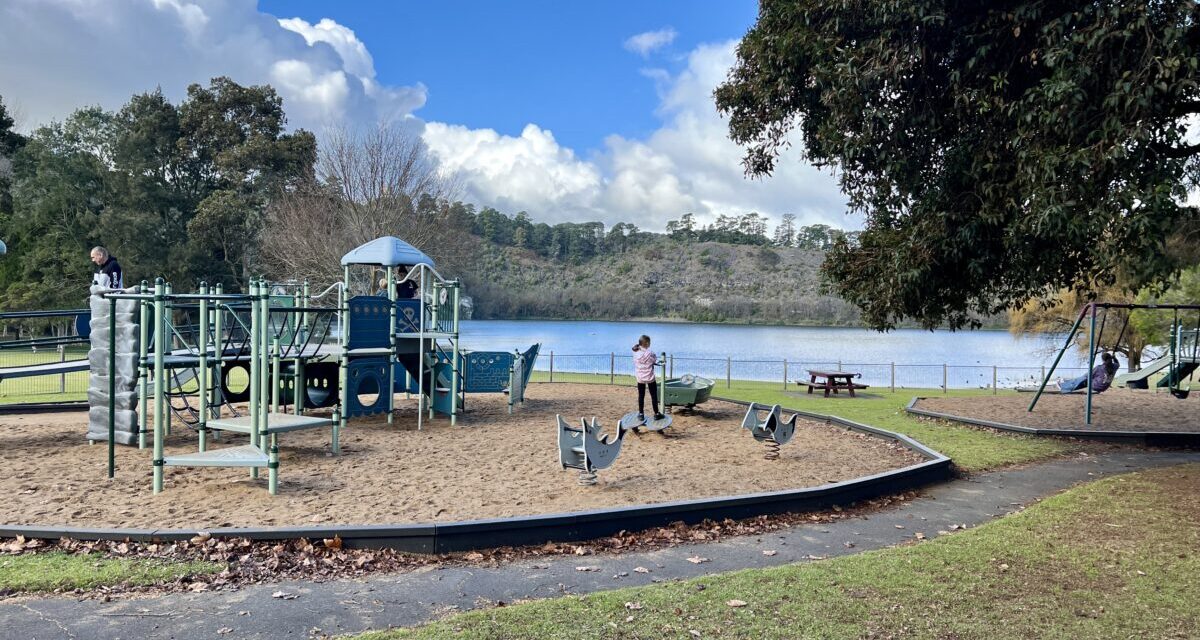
{"x": 1113, "y": 410}
{"x": 491, "y": 465}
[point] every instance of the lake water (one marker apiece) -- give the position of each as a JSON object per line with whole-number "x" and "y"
{"x": 758, "y": 352}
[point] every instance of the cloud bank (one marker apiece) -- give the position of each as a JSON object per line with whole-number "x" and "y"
{"x": 60, "y": 55}
{"x": 687, "y": 165}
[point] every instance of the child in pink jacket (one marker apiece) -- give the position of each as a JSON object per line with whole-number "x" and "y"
{"x": 643, "y": 366}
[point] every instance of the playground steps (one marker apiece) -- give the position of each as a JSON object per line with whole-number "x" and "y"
{"x": 242, "y": 456}
{"x": 276, "y": 423}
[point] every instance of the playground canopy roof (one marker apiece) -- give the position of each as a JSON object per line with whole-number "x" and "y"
{"x": 387, "y": 251}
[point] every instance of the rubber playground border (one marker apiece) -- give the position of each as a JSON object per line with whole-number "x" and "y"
{"x": 564, "y": 527}
{"x": 1189, "y": 439}
{"x": 42, "y": 407}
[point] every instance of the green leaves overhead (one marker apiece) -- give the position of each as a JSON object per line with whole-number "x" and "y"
{"x": 998, "y": 150}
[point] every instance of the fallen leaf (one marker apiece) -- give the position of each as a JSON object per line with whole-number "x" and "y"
{"x": 474, "y": 556}
{"x": 284, "y": 595}
{"x": 736, "y": 603}
{"x": 641, "y": 570}
{"x": 899, "y": 526}
{"x": 333, "y": 543}
{"x": 697, "y": 560}
{"x": 919, "y": 536}
{"x": 633, "y": 606}
{"x": 695, "y": 634}
{"x": 769, "y": 552}
{"x": 587, "y": 568}
{"x": 224, "y": 630}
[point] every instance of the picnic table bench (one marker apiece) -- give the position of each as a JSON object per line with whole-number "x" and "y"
{"x": 832, "y": 381}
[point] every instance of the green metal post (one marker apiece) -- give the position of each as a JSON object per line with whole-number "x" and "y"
{"x": 299, "y": 386}
{"x": 344, "y": 362}
{"x": 304, "y": 300}
{"x": 160, "y": 380}
{"x": 662, "y": 387}
{"x": 255, "y": 328}
{"x": 276, "y": 380}
{"x": 273, "y": 465}
{"x": 265, "y": 354}
{"x": 143, "y": 365}
{"x": 218, "y": 394}
{"x": 391, "y": 376}
{"x": 1091, "y": 363}
{"x": 112, "y": 387}
{"x": 202, "y": 373}
{"x": 454, "y": 373}
{"x": 169, "y": 335}
{"x": 1057, "y": 359}
{"x": 337, "y": 429}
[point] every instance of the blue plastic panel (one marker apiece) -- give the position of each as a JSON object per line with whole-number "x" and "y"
{"x": 370, "y": 317}
{"x": 366, "y": 376}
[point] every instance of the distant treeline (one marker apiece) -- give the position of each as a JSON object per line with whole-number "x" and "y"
{"x": 580, "y": 241}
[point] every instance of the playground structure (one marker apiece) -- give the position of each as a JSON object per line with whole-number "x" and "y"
{"x": 1181, "y": 361}
{"x": 587, "y": 448}
{"x": 191, "y": 351}
{"x": 771, "y": 430}
{"x": 687, "y": 391}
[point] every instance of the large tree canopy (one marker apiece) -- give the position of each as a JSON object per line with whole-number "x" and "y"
{"x": 998, "y": 150}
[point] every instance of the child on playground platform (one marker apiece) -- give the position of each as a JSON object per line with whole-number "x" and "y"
{"x": 643, "y": 366}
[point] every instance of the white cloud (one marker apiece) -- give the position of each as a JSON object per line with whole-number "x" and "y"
{"x": 644, "y": 44}
{"x": 59, "y": 55}
{"x": 687, "y": 165}
{"x": 62, "y": 54}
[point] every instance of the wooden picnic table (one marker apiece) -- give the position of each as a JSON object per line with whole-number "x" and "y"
{"x": 832, "y": 381}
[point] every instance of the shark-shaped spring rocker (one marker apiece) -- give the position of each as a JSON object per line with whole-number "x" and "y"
{"x": 772, "y": 430}
{"x": 586, "y": 449}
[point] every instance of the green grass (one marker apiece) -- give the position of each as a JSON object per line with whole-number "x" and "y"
{"x": 1116, "y": 558}
{"x": 972, "y": 449}
{"x": 53, "y": 388}
{"x": 58, "y": 570}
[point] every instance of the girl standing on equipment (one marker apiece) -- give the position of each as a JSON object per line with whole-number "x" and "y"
{"x": 643, "y": 365}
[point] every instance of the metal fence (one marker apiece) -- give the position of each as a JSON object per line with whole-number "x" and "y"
{"x": 611, "y": 368}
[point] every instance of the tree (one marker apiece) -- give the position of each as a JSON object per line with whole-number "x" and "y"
{"x": 998, "y": 150}
{"x": 233, "y": 149}
{"x": 368, "y": 184}
{"x": 785, "y": 233}
{"x": 1117, "y": 329}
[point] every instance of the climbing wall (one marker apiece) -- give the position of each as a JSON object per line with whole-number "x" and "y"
{"x": 125, "y": 398}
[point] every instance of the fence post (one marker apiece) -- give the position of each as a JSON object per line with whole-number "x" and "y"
{"x": 728, "y": 372}
{"x": 612, "y": 367}
{"x": 995, "y": 391}
{"x": 893, "y": 377}
{"x": 551, "y": 366}
{"x": 1043, "y": 372}
{"x": 945, "y": 383}
{"x": 62, "y": 377}
{"x": 671, "y": 360}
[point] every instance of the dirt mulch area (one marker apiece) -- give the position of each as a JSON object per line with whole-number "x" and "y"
{"x": 1113, "y": 410}
{"x": 492, "y": 465}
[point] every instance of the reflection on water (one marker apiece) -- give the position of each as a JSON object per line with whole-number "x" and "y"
{"x": 758, "y": 352}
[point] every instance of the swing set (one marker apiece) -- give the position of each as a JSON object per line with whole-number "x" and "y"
{"x": 1182, "y": 359}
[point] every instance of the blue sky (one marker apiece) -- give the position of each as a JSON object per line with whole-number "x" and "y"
{"x": 569, "y": 111}
{"x": 502, "y": 65}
